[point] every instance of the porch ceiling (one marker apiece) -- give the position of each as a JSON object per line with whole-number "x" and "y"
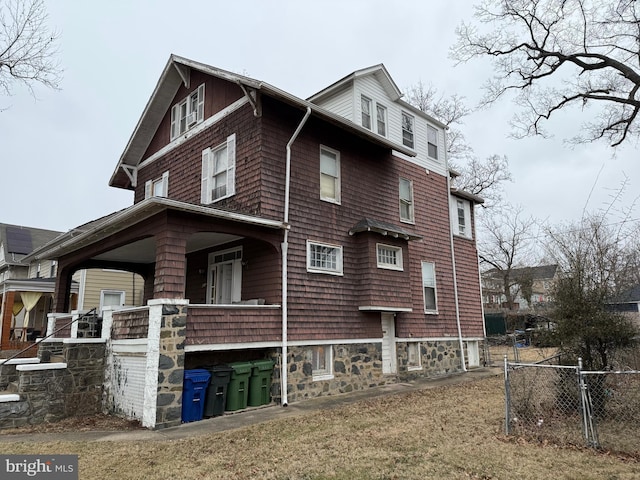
{"x": 144, "y": 251}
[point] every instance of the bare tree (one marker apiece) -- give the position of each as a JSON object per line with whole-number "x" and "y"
{"x": 28, "y": 51}
{"x": 596, "y": 258}
{"x": 480, "y": 177}
{"x": 506, "y": 244}
{"x": 556, "y": 54}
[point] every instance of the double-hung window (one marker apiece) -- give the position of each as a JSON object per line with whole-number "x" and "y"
{"x": 461, "y": 217}
{"x": 365, "y": 103}
{"x": 429, "y": 287}
{"x": 329, "y": 175}
{"x": 381, "y": 116}
{"x": 158, "y": 187}
{"x": 323, "y": 258}
{"x": 407, "y": 130}
{"x": 432, "y": 142}
{"x": 406, "y": 200}
{"x": 219, "y": 171}
{"x": 187, "y": 113}
{"x": 389, "y": 257}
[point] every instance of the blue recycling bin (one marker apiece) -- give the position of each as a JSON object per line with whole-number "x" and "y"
{"x": 194, "y": 390}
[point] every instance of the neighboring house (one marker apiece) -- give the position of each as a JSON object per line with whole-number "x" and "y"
{"x": 628, "y": 303}
{"x": 27, "y": 288}
{"x": 320, "y": 233}
{"x": 540, "y": 279}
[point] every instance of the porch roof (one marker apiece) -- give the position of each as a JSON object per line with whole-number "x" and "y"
{"x": 43, "y": 285}
{"x": 104, "y": 227}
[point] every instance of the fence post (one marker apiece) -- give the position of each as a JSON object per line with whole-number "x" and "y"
{"x": 507, "y": 399}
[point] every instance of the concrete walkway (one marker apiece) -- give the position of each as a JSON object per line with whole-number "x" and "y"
{"x": 251, "y": 416}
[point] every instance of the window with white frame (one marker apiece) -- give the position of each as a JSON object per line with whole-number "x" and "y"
{"x": 432, "y": 142}
{"x": 406, "y": 200}
{"x": 407, "y": 130}
{"x": 429, "y": 287}
{"x": 187, "y": 113}
{"x": 111, "y": 298}
{"x": 389, "y": 257}
{"x": 461, "y": 217}
{"x": 329, "y": 175}
{"x": 365, "y": 104}
{"x": 321, "y": 359}
{"x": 323, "y": 258}
{"x": 219, "y": 171}
{"x": 381, "y": 116}
{"x": 225, "y": 277}
{"x": 414, "y": 360}
{"x": 158, "y": 187}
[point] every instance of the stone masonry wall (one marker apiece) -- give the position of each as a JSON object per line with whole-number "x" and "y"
{"x": 355, "y": 367}
{"x": 171, "y": 365}
{"x": 436, "y": 358}
{"x": 48, "y": 395}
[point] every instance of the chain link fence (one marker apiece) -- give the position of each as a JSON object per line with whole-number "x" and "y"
{"x": 568, "y": 406}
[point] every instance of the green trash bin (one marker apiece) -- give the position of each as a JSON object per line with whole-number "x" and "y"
{"x": 216, "y": 399}
{"x": 238, "y": 389}
{"x": 260, "y": 383}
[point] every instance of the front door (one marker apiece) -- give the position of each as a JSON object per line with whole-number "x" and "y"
{"x": 388, "y": 344}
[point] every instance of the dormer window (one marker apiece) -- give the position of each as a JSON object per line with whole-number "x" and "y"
{"x": 188, "y": 113}
{"x": 366, "y": 112}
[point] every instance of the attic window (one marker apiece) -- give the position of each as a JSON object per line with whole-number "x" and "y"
{"x": 187, "y": 113}
{"x": 407, "y": 130}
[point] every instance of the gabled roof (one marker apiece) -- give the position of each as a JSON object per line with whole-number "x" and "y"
{"x": 177, "y": 71}
{"x": 630, "y": 296}
{"x": 542, "y": 272}
{"x": 382, "y": 75}
{"x": 379, "y": 71}
{"x": 18, "y": 241}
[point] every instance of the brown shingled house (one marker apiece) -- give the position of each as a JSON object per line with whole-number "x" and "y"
{"x": 322, "y": 234}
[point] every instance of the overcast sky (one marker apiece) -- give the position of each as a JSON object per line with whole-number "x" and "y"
{"x": 59, "y": 152}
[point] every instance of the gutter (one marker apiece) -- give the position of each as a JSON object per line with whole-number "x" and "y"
{"x": 285, "y": 248}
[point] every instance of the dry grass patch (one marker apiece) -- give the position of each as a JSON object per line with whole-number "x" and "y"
{"x": 453, "y": 432}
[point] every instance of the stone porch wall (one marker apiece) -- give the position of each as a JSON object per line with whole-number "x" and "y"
{"x": 47, "y": 392}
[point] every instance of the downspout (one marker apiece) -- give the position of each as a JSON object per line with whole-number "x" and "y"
{"x": 453, "y": 264}
{"x": 285, "y": 247}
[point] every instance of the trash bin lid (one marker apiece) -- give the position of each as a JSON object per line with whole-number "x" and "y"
{"x": 263, "y": 365}
{"x": 221, "y": 368}
{"x": 198, "y": 375}
{"x": 240, "y": 368}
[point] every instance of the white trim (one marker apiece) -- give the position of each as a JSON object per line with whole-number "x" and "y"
{"x": 339, "y": 271}
{"x": 9, "y": 397}
{"x": 20, "y": 361}
{"x": 216, "y": 347}
{"x": 399, "y": 266}
{"x": 129, "y": 346}
{"x": 338, "y": 194}
{"x": 41, "y": 366}
{"x": 194, "y": 131}
{"x": 380, "y": 308}
{"x": 73, "y": 340}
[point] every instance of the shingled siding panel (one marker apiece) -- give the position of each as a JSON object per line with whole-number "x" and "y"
{"x": 130, "y": 325}
{"x": 218, "y": 94}
{"x": 184, "y": 164}
{"x": 471, "y": 318}
{"x": 239, "y": 324}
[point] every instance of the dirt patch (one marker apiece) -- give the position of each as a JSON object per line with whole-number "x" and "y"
{"x": 106, "y": 423}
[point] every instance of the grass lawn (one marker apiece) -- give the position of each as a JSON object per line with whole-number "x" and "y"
{"x": 453, "y": 432}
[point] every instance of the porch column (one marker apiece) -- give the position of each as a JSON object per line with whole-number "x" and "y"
{"x": 6, "y": 319}
{"x": 63, "y": 291}
{"x": 171, "y": 263}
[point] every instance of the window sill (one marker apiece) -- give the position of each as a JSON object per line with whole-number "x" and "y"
{"x": 321, "y": 377}
{"x": 414, "y": 368}
{"x": 431, "y": 312}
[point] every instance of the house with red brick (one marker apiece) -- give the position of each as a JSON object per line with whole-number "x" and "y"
{"x": 321, "y": 233}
